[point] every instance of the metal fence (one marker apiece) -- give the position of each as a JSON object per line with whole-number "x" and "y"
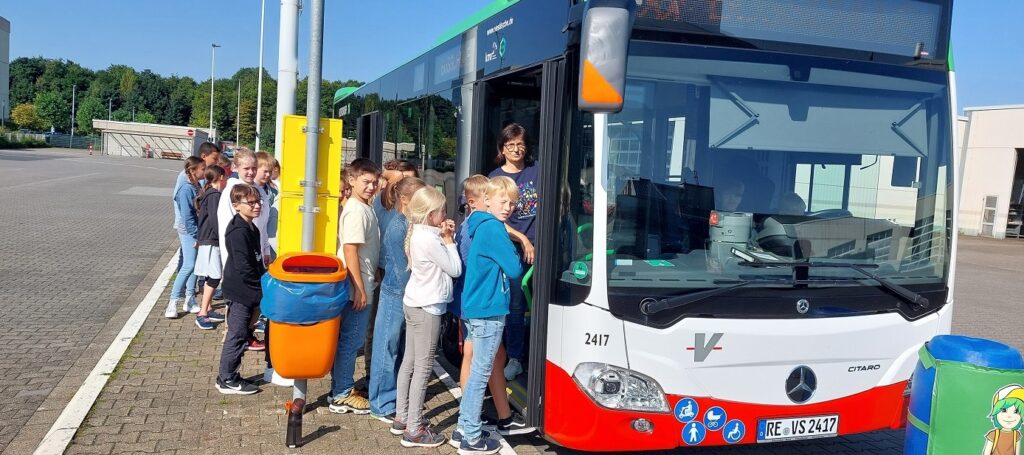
{"x": 21, "y": 137}
{"x": 78, "y": 142}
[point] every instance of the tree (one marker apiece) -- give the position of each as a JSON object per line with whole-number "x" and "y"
{"x": 247, "y": 127}
{"x": 24, "y": 72}
{"x": 122, "y": 115}
{"x": 25, "y": 116}
{"x": 91, "y": 108}
{"x": 145, "y": 117}
{"x": 53, "y": 109}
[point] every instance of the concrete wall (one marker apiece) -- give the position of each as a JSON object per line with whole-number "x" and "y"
{"x": 133, "y": 139}
{"x": 5, "y": 68}
{"x": 991, "y": 138}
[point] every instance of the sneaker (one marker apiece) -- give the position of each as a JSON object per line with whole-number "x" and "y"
{"x": 388, "y": 419}
{"x": 204, "y": 323}
{"x": 172, "y": 309}
{"x": 218, "y": 294}
{"x": 513, "y": 425}
{"x": 261, "y": 325}
{"x": 271, "y": 377}
{"x": 456, "y": 439}
{"x": 352, "y": 403}
{"x": 426, "y": 437}
{"x": 513, "y": 369}
{"x": 397, "y": 428}
{"x": 255, "y": 345}
{"x": 480, "y": 446}
{"x": 215, "y": 316}
{"x": 190, "y": 306}
{"x": 237, "y": 387}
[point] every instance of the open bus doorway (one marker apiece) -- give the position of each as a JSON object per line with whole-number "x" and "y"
{"x": 500, "y": 101}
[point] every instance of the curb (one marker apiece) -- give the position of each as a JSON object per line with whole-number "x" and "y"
{"x": 63, "y": 430}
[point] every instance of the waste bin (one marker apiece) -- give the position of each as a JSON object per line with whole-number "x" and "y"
{"x": 303, "y": 297}
{"x": 961, "y": 390}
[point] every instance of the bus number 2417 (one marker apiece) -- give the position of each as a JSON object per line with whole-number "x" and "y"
{"x": 597, "y": 339}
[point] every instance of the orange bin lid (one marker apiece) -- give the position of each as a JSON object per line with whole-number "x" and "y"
{"x": 301, "y": 267}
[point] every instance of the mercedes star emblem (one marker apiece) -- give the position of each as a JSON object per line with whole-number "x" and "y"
{"x": 801, "y": 384}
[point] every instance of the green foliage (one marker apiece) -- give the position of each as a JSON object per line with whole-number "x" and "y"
{"x": 91, "y": 108}
{"x": 122, "y": 115}
{"x": 20, "y": 144}
{"x": 53, "y": 109}
{"x": 145, "y": 117}
{"x": 25, "y": 116}
{"x": 171, "y": 100}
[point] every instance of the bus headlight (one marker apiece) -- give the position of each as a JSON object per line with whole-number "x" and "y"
{"x": 620, "y": 388}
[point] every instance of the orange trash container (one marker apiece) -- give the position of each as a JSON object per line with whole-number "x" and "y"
{"x": 303, "y": 297}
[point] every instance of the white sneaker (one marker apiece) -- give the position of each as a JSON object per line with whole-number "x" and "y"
{"x": 271, "y": 376}
{"x": 513, "y": 369}
{"x": 191, "y": 306}
{"x": 172, "y": 309}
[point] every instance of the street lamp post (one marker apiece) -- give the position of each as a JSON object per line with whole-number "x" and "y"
{"x": 259, "y": 79}
{"x": 73, "y": 89}
{"x": 110, "y": 105}
{"x": 238, "y": 111}
{"x": 213, "y": 59}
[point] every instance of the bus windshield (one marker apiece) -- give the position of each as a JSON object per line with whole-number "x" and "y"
{"x": 724, "y": 157}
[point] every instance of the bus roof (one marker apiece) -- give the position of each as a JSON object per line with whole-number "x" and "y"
{"x": 483, "y": 14}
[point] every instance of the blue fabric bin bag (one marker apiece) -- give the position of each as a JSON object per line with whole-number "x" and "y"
{"x": 302, "y": 303}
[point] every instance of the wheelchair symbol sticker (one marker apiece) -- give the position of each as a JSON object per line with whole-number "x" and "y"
{"x": 715, "y": 418}
{"x": 734, "y": 431}
{"x": 694, "y": 433}
{"x": 686, "y": 410}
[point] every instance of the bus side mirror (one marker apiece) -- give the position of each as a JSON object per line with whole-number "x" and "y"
{"x": 604, "y": 47}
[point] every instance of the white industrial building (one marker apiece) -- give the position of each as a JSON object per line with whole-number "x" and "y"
{"x": 147, "y": 140}
{"x": 5, "y": 69}
{"x": 992, "y": 171}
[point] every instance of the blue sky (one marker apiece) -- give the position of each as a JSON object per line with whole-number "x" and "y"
{"x": 364, "y": 39}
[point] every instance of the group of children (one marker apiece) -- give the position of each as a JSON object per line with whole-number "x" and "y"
{"x": 419, "y": 268}
{"x": 407, "y": 265}
{"x": 225, "y": 243}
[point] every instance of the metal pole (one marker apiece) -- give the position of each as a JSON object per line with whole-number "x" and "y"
{"x": 287, "y": 66}
{"x": 73, "y": 89}
{"x": 238, "y": 111}
{"x": 213, "y": 60}
{"x": 316, "y": 46}
{"x": 259, "y": 79}
{"x": 110, "y": 105}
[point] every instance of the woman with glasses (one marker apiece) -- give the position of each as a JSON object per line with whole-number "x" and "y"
{"x": 515, "y": 163}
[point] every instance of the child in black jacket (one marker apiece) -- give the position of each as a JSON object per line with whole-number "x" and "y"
{"x": 241, "y": 286}
{"x": 208, "y": 264}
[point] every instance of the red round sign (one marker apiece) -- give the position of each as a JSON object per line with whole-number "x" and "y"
{"x": 191, "y": 133}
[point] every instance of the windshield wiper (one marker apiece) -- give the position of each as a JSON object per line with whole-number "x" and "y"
{"x": 650, "y": 306}
{"x": 801, "y": 272}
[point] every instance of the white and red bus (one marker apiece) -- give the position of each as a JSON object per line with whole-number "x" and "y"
{"x": 747, "y": 211}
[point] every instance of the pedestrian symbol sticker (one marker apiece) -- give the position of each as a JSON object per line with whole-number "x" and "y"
{"x": 694, "y": 433}
{"x": 734, "y": 431}
{"x": 715, "y": 418}
{"x": 686, "y": 410}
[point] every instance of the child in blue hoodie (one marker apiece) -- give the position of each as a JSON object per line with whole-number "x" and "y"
{"x": 491, "y": 267}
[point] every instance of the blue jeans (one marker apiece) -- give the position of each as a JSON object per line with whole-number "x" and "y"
{"x": 350, "y": 339}
{"x": 185, "y": 282}
{"x": 386, "y": 353}
{"x": 485, "y": 333}
{"x": 515, "y": 328}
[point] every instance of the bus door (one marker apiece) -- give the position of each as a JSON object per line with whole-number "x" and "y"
{"x": 534, "y": 98}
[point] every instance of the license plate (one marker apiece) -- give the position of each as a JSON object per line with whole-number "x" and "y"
{"x": 788, "y": 429}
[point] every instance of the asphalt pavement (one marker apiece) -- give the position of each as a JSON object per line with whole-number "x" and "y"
{"x": 78, "y": 235}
